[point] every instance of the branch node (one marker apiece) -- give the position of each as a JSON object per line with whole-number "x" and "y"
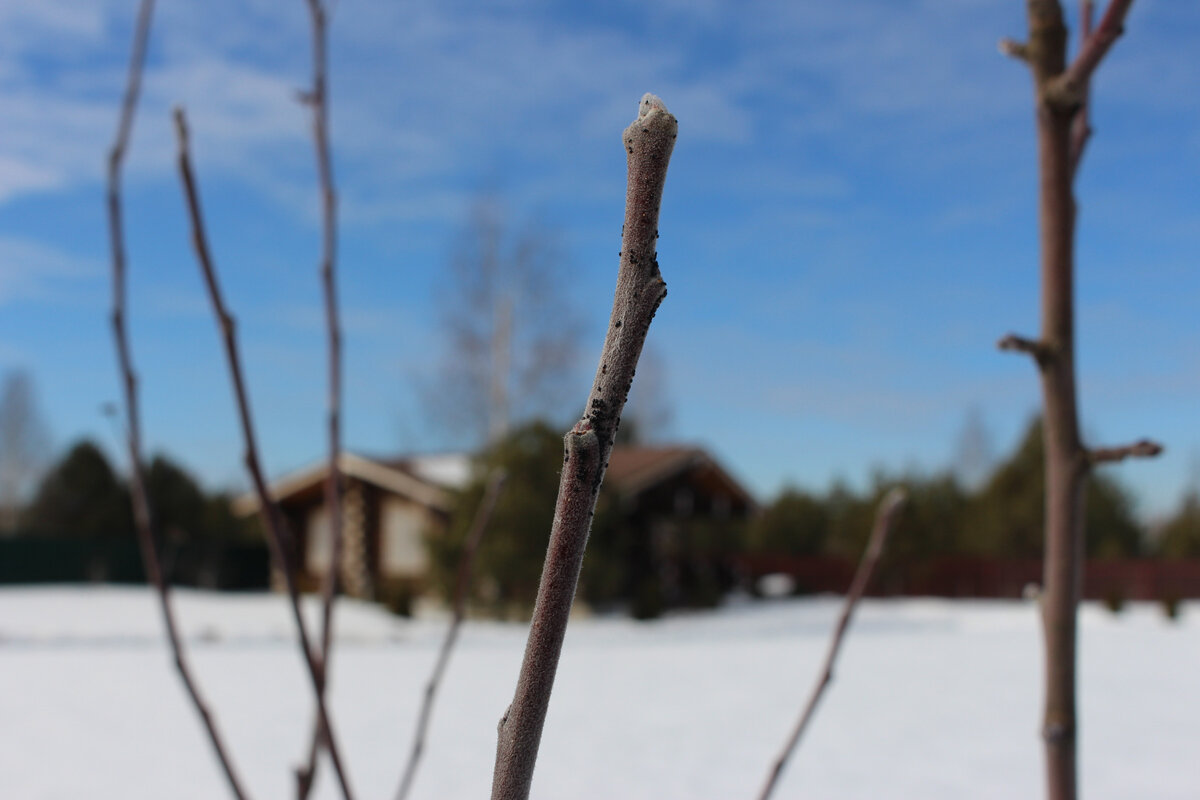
{"x": 1065, "y": 91}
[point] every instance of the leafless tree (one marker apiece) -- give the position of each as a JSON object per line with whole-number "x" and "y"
{"x": 24, "y": 444}
{"x": 974, "y": 456}
{"x": 648, "y": 142}
{"x": 1061, "y": 112}
{"x": 510, "y": 333}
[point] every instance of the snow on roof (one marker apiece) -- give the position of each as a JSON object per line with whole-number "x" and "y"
{"x": 448, "y": 470}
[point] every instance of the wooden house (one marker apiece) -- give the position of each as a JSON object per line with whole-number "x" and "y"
{"x": 390, "y": 505}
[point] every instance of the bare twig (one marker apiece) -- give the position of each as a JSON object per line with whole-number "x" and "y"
{"x": 279, "y": 538}
{"x": 640, "y": 289}
{"x": 1081, "y": 128}
{"x": 462, "y": 585}
{"x": 147, "y": 537}
{"x": 889, "y": 510}
{"x": 1072, "y": 83}
{"x": 317, "y": 99}
{"x": 1021, "y": 344}
{"x": 1144, "y": 448}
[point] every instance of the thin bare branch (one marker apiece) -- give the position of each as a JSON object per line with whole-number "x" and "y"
{"x": 889, "y": 510}
{"x": 143, "y": 518}
{"x": 1020, "y": 344}
{"x": 1143, "y": 448}
{"x": 648, "y": 142}
{"x": 1087, "y": 18}
{"x": 1071, "y": 85}
{"x": 462, "y": 585}
{"x": 317, "y": 99}
{"x": 279, "y": 538}
{"x": 1081, "y": 128}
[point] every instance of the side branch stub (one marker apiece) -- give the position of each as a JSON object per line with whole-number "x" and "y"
{"x": 1143, "y": 448}
{"x": 1040, "y": 351}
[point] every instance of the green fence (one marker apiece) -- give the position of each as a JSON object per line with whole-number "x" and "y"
{"x": 64, "y": 559}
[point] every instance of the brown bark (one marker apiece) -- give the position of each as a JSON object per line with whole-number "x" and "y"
{"x": 317, "y": 100}
{"x": 462, "y": 586}
{"x": 648, "y": 141}
{"x": 143, "y": 516}
{"x": 1062, "y": 131}
{"x": 279, "y": 537}
{"x": 889, "y": 510}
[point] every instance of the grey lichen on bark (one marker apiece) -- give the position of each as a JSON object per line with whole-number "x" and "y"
{"x": 648, "y": 142}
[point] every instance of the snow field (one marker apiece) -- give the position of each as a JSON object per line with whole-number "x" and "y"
{"x": 931, "y": 700}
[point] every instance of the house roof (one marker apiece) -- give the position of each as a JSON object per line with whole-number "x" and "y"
{"x": 430, "y": 479}
{"x": 633, "y": 469}
{"x": 447, "y": 470}
{"x": 429, "y": 485}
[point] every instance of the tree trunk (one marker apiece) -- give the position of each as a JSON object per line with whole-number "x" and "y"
{"x": 1061, "y": 94}
{"x": 1065, "y": 456}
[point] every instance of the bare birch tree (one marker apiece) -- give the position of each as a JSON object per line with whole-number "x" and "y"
{"x": 1061, "y": 113}
{"x": 24, "y": 444}
{"x": 510, "y": 333}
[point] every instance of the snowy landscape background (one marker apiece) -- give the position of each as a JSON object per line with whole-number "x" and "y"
{"x": 932, "y": 699}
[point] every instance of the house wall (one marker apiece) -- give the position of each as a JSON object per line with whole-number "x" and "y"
{"x": 402, "y": 526}
{"x": 318, "y": 540}
{"x": 682, "y": 534}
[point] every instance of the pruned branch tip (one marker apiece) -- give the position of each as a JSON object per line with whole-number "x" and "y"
{"x": 648, "y": 143}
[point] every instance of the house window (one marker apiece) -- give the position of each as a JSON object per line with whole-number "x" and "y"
{"x": 320, "y": 541}
{"x": 401, "y": 551}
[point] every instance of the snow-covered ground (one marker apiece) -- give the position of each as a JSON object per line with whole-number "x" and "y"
{"x": 932, "y": 700}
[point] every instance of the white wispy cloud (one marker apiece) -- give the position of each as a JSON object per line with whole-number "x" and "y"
{"x": 31, "y": 270}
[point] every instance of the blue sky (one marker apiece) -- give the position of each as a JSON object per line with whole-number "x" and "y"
{"x": 848, "y": 223}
